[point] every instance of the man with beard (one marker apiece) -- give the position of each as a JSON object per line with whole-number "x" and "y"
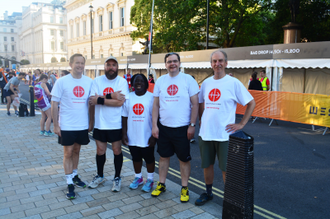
{"x": 108, "y": 125}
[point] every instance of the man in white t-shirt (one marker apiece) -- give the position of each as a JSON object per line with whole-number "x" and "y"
{"x": 218, "y": 99}
{"x": 73, "y": 125}
{"x": 176, "y": 105}
{"x": 108, "y": 94}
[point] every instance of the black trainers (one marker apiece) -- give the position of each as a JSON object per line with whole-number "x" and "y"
{"x": 77, "y": 181}
{"x": 70, "y": 194}
{"x": 203, "y": 199}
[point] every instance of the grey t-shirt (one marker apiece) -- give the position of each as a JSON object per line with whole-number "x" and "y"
{"x": 14, "y": 81}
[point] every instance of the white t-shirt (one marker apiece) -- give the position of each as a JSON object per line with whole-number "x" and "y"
{"x": 174, "y": 99}
{"x": 138, "y": 109}
{"x": 108, "y": 117}
{"x": 73, "y": 94}
{"x": 220, "y": 98}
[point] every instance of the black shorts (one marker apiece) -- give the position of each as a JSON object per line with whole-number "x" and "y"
{"x": 7, "y": 93}
{"x": 68, "y": 138}
{"x": 173, "y": 140}
{"x": 147, "y": 153}
{"x": 107, "y": 135}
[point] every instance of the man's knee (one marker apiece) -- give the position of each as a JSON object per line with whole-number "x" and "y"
{"x": 116, "y": 147}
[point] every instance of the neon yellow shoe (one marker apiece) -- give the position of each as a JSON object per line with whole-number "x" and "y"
{"x": 184, "y": 195}
{"x": 159, "y": 190}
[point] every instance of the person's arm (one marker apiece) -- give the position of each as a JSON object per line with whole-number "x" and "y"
{"x": 268, "y": 84}
{"x": 54, "y": 111}
{"x": 91, "y": 112}
{"x": 193, "y": 116}
{"x": 12, "y": 89}
{"x": 93, "y": 100}
{"x": 124, "y": 130}
{"x": 231, "y": 128}
{"x": 200, "y": 112}
{"x": 155, "y": 114}
{"x": 44, "y": 86}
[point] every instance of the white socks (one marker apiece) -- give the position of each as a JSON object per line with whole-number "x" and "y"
{"x": 138, "y": 175}
{"x": 69, "y": 179}
{"x": 151, "y": 176}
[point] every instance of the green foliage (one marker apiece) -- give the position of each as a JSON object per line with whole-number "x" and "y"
{"x": 25, "y": 62}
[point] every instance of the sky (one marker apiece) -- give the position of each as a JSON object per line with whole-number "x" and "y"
{"x": 16, "y": 5}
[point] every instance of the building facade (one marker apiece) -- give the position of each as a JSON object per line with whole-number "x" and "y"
{"x": 43, "y": 34}
{"x": 9, "y": 39}
{"x": 109, "y": 23}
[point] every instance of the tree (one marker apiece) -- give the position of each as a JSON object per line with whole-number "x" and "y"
{"x": 25, "y": 62}
{"x": 181, "y": 25}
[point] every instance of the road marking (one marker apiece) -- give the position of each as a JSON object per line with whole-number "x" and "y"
{"x": 261, "y": 211}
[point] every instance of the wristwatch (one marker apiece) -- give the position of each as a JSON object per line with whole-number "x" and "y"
{"x": 192, "y": 124}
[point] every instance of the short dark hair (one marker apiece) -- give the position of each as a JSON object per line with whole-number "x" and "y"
{"x": 76, "y": 55}
{"x": 171, "y": 53}
{"x": 263, "y": 70}
{"x": 43, "y": 76}
{"x": 254, "y": 75}
{"x": 145, "y": 80}
{"x": 21, "y": 74}
{"x": 65, "y": 72}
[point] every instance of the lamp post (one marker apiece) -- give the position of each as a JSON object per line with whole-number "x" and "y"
{"x": 91, "y": 15}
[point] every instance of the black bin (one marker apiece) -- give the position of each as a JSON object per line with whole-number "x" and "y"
{"x": 238, "y": 197}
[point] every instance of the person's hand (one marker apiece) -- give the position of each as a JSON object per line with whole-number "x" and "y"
{"x": 125, "y": 140}
{"x": 57, "y": 130}
{"x": 117, "y": 95}
{"x": 93, "y": 99}
{"x": 90, "y": 127}
{"x": 16, "y": 94}
{"x": 191, "y": 132}
{"x": 232, "y": 128}
{"x": 155, "y": 132}
{"x": 152, "y": 141}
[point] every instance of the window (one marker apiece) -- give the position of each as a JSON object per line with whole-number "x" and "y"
{"x": 12, "y": 30}
{"x": 13, "y": 48}
{"x": 51, "y": 19}
{"x": 12, "y": 39}
{"x": 4, "y": 29}
{"x": 101, "y": 23}
{"x": 52, "y": 45}
{"x": 71, "y": 31}
{"x": 62, "y": 45}
{"x": 122, "y": 17}
{"x": 4, "y": 38}
{"x": 61, "y": 20}
{"x": 110, "y": 21}
{"x": 52, "y": 32}
{"x": 5, "y": 48}
{"x": 84, "y": 28}
{"x": 77, "y": 30}
{"x": 101, "y": 56}
{"x": 61, "y": 33}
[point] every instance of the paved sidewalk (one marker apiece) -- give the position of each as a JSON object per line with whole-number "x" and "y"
{"x": 33, "y": 185}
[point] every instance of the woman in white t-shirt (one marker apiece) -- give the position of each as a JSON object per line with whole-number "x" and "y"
{"x": 137, "y": 126}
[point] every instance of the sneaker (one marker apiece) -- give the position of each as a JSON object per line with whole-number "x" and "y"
{"x": 97, "y": 180}
{"x": 136, "y": 183}
{"x": 116, "y": 184}
{"x": 16, "y": 113}
{"x": 159, "y": 190}
{"x": 77, "y": 181}
{"x": 148, "y": 186}
{"x": 42, "y": 132}
{"x": 203, "y": 199}
{"x": 184, "y": 195}
{"x": 48, "y": 134}
{"x": 70, "y": 194}
{"x": 8, "y": 113}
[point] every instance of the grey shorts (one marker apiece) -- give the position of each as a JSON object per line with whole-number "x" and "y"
{"x": 209, "y": 149}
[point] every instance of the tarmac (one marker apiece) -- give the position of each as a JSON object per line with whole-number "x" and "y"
{"x": 33, "y": 185}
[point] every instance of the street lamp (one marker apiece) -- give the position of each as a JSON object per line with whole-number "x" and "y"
{"x": 91, "y": 15}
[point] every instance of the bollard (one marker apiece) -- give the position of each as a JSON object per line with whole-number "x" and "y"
{"x": 32, "y": 113}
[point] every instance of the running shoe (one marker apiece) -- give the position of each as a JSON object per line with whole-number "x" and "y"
{"x": 148, "y": 186}
{"x": 42, "y": 132}
{"x": 184, "y": 195}
{"x": 70, "y": 194}
{"x": 16, "y": 113}
{"x": 77, "y": 181}
{"x": 48, "y": 134}
{"x": 161, "y": 188}
{"x": 116, "y": 184}
{"x": 97, "y": 180}
{"x": 136, "y": 183}
{"x": 8, "y": 113}
{"x": 203, "y": 199}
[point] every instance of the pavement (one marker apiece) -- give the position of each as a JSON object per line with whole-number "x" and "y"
{"x": 33, "y": 185}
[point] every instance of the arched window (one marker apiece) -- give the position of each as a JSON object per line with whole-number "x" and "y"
{"x": 53, "y": 60}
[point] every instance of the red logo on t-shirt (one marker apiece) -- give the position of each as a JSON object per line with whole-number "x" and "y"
{"x": 214, "y": 95}
{"x": 78, "y": 91}
{"x": 172, "y": 90}
{"x": 138, "y": 109}
{"x": 107, "y": 90}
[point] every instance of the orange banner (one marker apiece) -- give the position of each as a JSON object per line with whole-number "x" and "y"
{"x": 313, "y": 109}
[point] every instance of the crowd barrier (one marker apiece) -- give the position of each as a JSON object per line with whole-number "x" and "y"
{"x": 312, "y": 109}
